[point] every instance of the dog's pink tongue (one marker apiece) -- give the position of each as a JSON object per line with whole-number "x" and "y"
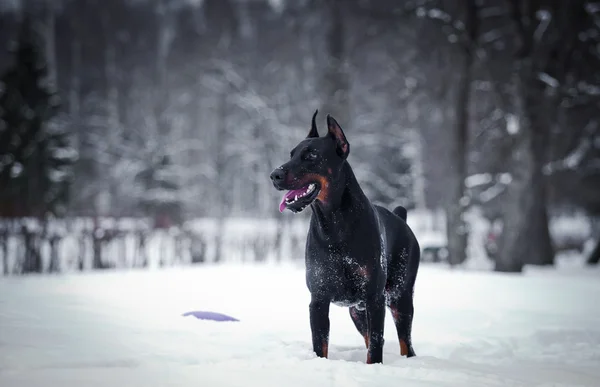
{"x": 290, "y": 194}
{"x": 282, "y": 205}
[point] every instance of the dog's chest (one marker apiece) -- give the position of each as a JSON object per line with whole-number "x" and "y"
{"x": 341, "y": 279}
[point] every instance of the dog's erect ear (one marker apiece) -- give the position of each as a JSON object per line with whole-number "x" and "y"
{"x": 313, "y": 128}
{"x": 335, "y": 131}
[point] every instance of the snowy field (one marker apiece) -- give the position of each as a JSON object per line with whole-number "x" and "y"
{"x": 126, "y": 329}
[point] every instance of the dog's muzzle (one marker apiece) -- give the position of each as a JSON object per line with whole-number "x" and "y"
{"x": 278, "y": 178}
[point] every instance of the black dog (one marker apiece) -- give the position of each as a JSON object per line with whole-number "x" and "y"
{"x": 358, "y": 254}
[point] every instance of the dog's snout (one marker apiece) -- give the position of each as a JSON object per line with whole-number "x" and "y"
{"x": 278, "y": 175}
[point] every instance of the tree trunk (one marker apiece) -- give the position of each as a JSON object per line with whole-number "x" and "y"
{"x": 165, "y": 38}
{"x": 220, "y": 163}
{"x": 76, "y": 123}
{"x": 594, "y": 257}
{"x": 82, "y": 252}
{"x": 417, "y": 171}
{"x": 97, "y": 249}
{"x": 518, "y": 198}
{"x": 49, "y": 31}
{"x": 32, "y": 262}
{"x": 336, "y": 83}
{"x": 54, "y": 255}
{"x": 540, "y": 250}
{"x": 4, "y": 249}
{"x": 456, "y": 228}
{"x": 525, "y": 236}
{"x": 113, "y": 119}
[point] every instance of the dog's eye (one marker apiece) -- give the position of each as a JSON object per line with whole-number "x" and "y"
{"x": 310, "y": 156}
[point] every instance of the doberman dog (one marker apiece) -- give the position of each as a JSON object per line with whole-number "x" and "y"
{"x": 358, "y": 254}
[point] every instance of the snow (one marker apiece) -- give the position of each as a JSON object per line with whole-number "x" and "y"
{"x": 512, "y": 124}
{"x": 277, "y": 5}
{"x": 479, "y": 226}
{"x": 437, "y": 13}
{"x": 572, "y": 160}
{"x": 492, "y": 35}
{"x": 548, "y": 80}
{"x": 126, "y": 329}
{"x": 9, "y": 5}
{"x": 492, "y": 192}
{"x": 478, "y": 179}
{"x": 505, "y": 178}
{"x": 592, "y": 7}
{"x": 576, "y": 227}
{"x": 16, "y": 170}
{"x": 545, "y": 18}
{"x": 589, "y": 89}
{"x": 66, "y": 153}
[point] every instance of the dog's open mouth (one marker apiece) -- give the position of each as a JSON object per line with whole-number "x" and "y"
{"x": 297, "y": 199}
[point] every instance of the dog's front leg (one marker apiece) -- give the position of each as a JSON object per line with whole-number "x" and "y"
{"x": 319, "y": 325}
{"x": 376, "y": 319}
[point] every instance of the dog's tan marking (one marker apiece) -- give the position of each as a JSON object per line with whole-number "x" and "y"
{"x": 363, "y": 271}
{"x": 324, "y": 185}
{"x": 403, "y": 348}
{"x": 325, "y": 350}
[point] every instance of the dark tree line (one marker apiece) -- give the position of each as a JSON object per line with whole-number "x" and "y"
{"x": 541, "y": 62}
{"x": 36, "y": 156}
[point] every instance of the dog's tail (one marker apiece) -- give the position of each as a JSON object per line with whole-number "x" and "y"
{"x": 401, "y": 212}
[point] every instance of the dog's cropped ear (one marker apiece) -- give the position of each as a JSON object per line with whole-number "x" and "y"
{"x": 313, "y": 128}
{"x": 335, "y": 131}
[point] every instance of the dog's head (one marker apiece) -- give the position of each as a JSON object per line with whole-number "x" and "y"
{"x": 314, "y": 163}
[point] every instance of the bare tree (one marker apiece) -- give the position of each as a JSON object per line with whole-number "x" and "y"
{"x": 458, "y": 201}
{"x": 336, "y": 82}
{"x": 543, "y": 32}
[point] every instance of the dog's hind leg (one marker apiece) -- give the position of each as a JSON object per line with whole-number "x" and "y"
{"x": 402, "y": 311}
{"x": 359, "y": 318}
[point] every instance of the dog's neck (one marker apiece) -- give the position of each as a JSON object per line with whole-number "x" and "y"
{"x": 345, "y": 197}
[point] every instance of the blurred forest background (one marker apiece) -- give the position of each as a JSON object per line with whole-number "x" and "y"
{"x": 141, "y": 131}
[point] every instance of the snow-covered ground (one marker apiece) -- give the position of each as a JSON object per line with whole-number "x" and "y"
{"x": 125, "y": 329}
